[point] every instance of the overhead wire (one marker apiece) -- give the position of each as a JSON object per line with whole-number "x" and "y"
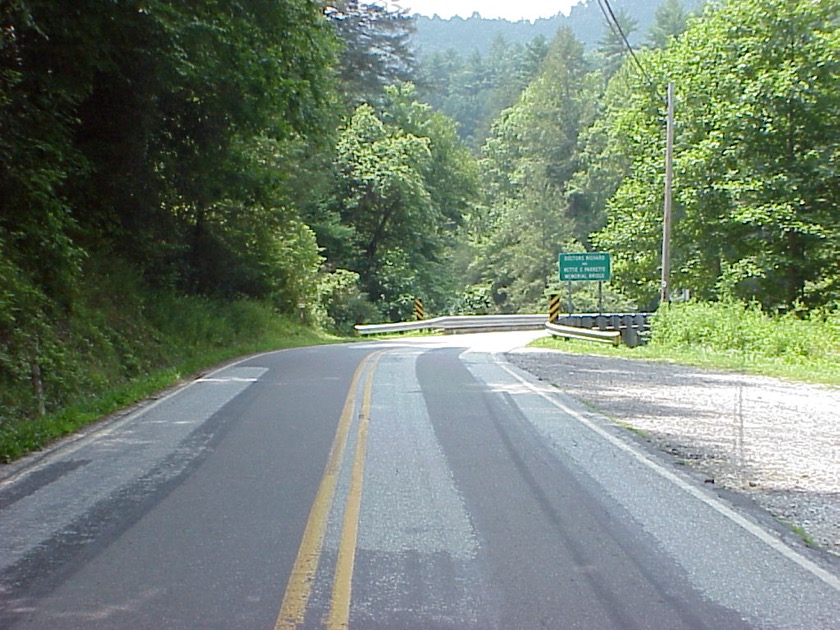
{"x": 609, "y": 15}
{"x": 615, "y": 26}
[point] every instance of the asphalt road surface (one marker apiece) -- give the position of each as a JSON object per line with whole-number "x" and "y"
{"x": 420, "y": 484}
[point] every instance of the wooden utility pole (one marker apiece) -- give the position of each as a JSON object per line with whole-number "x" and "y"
{"x": 665, "y": 295}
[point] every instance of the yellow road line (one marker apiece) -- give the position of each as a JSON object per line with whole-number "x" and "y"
{"x": 339, "y": 616}
{"x": 299, "y": 587}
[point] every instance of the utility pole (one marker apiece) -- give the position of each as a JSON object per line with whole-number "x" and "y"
{"x": 665, "y": 295}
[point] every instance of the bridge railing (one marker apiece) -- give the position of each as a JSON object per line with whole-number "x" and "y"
{"x": 459, "y": 323}
{"x": 611, "y": 328}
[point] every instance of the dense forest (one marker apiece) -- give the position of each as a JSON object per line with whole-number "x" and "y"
{"x": 478, "y": 34}
{"x": 299, "y": 155}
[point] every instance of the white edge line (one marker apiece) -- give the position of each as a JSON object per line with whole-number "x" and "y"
{"x": 72, "y": 443}
{"x": 777, "y": 545}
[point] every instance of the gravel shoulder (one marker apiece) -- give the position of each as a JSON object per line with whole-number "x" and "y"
{"x": 776, "y": 441}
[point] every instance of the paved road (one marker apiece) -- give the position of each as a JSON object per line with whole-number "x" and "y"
{"x": 412, "y": 484}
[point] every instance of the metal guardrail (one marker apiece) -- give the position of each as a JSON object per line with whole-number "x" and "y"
{"x": 572, "y": 332}
{"x": 613, "y": 328}
{"x": 630, "y": 326}
{"x": 459, "y": 323}
{"x": 612, "y": 321}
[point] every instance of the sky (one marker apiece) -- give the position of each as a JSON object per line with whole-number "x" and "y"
{"x": 513, "y": 10}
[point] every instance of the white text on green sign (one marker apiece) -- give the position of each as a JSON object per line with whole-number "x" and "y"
{"x": 591, "y": 266}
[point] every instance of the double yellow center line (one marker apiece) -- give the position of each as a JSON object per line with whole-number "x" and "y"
{"x": 302, "y": 578}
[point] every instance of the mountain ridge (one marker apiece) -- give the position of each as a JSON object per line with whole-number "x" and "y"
{"x": 476, "y": 33}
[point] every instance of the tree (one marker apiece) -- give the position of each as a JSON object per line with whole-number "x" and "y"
{"x": 175, "y": 115}
{"x": 38, "y": 96}
{"x": 129, "y": 130}
{"x": 376, "y": 51}
{"x": 528, "y": 162}
{"x": 756, "y": 153}
{"x": 671, "y": 21}
{"x": 612, "y": 47}
{"x": 403, "y": 181}
{"x": 474, "y": 90}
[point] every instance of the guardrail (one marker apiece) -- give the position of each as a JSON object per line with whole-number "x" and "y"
{"x": 571, "y": 332}
{"x": 460, "y": 323}
{"x": 612, "y": 321}
{"x": 614, "y": 328}
{"x": 630, "y": 326}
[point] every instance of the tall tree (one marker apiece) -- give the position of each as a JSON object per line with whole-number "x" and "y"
{"x": 170, "y": 120}
{"x": 129, "y": 128}
{"x": 376, "y": 49}
{"x": 756, "y": 157}
{"x": 403, "y": 182}
{"x": 612, "y": 47}
{"x": 528, "y": 163}
{"x": 671, "y": 20}
{"x": 44, "y": 73}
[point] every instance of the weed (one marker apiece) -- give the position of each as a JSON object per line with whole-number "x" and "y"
{"x": 118, "y": 347}
{"x": 736, "y": 337}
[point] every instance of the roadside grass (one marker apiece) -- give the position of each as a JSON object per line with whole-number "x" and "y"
{"x": 799, "y": 531}
{"x": 733, "y": 336}
{"x": 804, "y": 535}
{"x": 111, "y": 356}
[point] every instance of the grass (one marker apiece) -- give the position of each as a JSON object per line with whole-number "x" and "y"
{"x": 799, "y": 531}
{"x": 733, "y": 337}
{"x": 109, "y": 356}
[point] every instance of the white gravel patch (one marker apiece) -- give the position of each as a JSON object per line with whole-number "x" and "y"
{"x": 776, "y": 441}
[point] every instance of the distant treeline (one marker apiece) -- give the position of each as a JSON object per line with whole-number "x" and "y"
{"x": 476, "y": 33}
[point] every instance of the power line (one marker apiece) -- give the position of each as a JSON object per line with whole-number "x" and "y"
{"x": 613, "y": 23}
{"x": 665, "y": 288}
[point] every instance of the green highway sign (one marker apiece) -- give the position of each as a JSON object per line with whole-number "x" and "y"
{"x": 585, "y": 266}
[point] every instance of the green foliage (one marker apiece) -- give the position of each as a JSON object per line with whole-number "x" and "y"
{"x": 671, "y": 20}
{"x": 381, "y": 185}
{"x": 403, "y": 182}
{"x": 376, "y": 51}
{"x": 740, "y": 330}
{"x": 346, "y": 303}
{"x": 136, "y": 129}
{"x": 476, "y": 299}
{"x": 585, "y": 19}
{"x": 755, "y": 157}
{"x": 612, "y": 47}
{"x": 121, "y": 343}
{"x": 474, "y": 89}
{"x": 167, "y": 133}
{"x": 528, "y": 163}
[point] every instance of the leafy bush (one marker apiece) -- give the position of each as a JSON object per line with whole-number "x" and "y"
{"x": 120, "y": 342}
{"x": 344, "y": 302}
{"x": 744, "y": 329}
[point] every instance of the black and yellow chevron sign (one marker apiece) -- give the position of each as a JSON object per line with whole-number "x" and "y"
{"x": 554, "y": 308}
{"x": 419, "y": 314}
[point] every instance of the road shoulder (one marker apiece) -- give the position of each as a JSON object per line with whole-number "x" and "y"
{"x": 773, "y": 442}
